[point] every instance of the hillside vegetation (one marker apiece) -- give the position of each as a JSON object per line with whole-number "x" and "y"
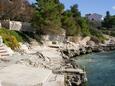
{"x": 51, "y": 17}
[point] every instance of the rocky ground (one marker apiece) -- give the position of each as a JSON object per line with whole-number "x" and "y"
{"x": 46, "y": 66}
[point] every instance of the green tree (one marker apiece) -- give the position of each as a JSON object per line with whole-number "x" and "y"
{"x": 16, "y": 10}
{"x": 106, "y": 22}
{"x": 112, "y": 21}
{"x": 70, "y": 21}
{"x": 75, "y": 11}
{"x": 84, "y": 24}
{"x": 69, "y": 24}
{"x": 81, "y": 22}
{"x": 76, "y": 16}
{"x": 48, "y": 16}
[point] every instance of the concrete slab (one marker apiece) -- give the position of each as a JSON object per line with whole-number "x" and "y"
{"x": 55, "y": 80}
{"x": 20, "y": 75}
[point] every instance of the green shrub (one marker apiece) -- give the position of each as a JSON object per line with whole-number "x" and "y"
{"x": 9, "y": 38}
{"x": 97, "y": 34}
{"x": 18, "y": 37}
{"x": 12, "y": 38}
{"x": 11, "y": 42}
{"x": 109, "y": 32}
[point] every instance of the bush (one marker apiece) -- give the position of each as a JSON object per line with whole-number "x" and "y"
{"x": 11, "y": 42}
{"x": 18, "y": 37}
{"x": 109, "y": 32}
{"x": 97, "y": 35}
{"x": 10, "y": 39}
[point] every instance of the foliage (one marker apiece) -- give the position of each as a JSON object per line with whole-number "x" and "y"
{"x": 109, "y": 32}
{"x": 75, "y": 11}
{"x": 12, "y": 38}
{"x": 69, "y": 24}
{"x": 16, "y": 10}
{"x": 70, "y": 21}
{"x": 97, "y": 34}
{"x": 109, "y": 21}
{"x": 83, "y": 22}
{"x": 18, "y": 37}
{"x": 9, "y": 39}
{"x": 48, "y": 16}
{"x": 36, "y": 36}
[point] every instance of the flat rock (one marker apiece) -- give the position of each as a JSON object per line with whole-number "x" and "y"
{"x": 21, "y": 75}
{"x": 55, "y": 80}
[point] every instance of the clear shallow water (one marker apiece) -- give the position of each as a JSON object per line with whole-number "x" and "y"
{"x": 100, "y": 68}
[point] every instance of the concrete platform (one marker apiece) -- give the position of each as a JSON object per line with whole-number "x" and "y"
{"x": 55, "y": 80}
{"x": 20, "y": 75}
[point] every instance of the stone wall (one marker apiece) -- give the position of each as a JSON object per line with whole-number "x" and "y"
{"x": 79, "y": 39}
{"x": 75, "y": 39}
{"x": 17, "y": 25}
{"x": 50, "y": 40}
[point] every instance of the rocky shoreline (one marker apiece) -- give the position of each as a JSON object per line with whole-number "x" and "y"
{"x": 58, "y": 60}
{"x": 70, "y": 53}
{"x": 41, "y": 58}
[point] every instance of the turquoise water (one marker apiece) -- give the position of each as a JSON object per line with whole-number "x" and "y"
{"x": 100, "y": 68}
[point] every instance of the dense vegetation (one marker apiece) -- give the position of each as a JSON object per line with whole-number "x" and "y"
{"x": 10, "y": 38}
{"x": 108, "y": 24}
{"x": 109, "y": 21}
{"x": 20, "y": 10}
{"x": 50, "y": 17}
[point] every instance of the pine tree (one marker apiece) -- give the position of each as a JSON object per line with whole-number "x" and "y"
{"x": 48, "y": 16}
{"x": 69, "y": 24}
{"x": 106, "y": 22}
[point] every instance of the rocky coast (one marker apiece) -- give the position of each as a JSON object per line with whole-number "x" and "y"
{"x": 48, "y": 66}
{"x": 39, "y": 66}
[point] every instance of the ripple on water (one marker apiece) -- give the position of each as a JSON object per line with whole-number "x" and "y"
{"x": 100, "y": 68}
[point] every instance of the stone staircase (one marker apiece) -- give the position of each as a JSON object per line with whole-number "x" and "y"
{"x": 3, "y": 52}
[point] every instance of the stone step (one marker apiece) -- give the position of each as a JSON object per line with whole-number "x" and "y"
{"x": 3, "y": 51}
{"x": 4, "y": 54}
{"x": 1, "y": 48}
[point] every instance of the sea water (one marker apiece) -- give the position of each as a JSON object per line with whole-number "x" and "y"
{"x": 100, "y": 68}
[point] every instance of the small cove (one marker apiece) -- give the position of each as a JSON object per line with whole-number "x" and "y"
{"x": 100, "y": 68}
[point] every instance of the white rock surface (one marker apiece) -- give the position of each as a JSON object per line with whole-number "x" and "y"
{"x": 85, "y": 40}
{"x": 21, "y": 75}
{"x": 55, "y": 80}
